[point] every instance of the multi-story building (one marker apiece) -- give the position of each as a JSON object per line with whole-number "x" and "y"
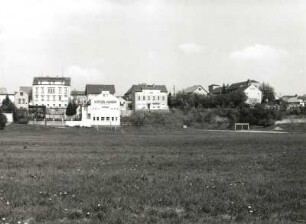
{"x": 148, "y": 97}
{"x": 102, "y": 108}
{"x": 22, "y": 100}
{"x": 53, "y": 93}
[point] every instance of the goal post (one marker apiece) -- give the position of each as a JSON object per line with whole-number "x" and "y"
{"x": 242, "y": 126}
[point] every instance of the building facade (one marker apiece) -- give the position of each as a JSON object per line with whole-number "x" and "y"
{"x": 53, "y": 93}
{"x": 21, "y": 100}
{"x": 101, "y": 110}
{"x": 145, "y": 97}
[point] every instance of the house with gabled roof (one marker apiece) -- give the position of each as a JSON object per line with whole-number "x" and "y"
{"x": 145, "y": 97}
{"x": 249, "y": 87}
{"x": 195, "y": 89}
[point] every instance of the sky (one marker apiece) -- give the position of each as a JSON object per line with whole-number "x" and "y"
{"x": 173, "y": 42}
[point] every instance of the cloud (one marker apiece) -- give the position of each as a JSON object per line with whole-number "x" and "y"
{"x": 82, "y": 76}
{"x": 258, "y": 52}
{"x": 191, "y": 48}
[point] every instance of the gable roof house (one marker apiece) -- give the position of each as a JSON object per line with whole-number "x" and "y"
{"x": 195, "y": 89}
{"x": 147, "y": 97}
{"x": 249, "y": 87}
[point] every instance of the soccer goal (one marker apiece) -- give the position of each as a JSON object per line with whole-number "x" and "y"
{"x": 242, "y": 126}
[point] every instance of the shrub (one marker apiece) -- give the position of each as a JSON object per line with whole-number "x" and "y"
{"x": 3, "y": 121}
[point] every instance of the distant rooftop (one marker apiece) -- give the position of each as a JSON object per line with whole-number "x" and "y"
{"x": 143, "y": 86}
{"x": 97, "y": 89}
{"x": 51, "y": 80}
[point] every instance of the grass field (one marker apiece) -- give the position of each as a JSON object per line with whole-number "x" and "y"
{"x": 50, "y": 175}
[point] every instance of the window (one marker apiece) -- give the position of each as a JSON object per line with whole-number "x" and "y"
{"x": 148, "y": 97}
{"x": 98, "y": 118}
{"x": 153, "y": 97}
{"x": 158, "y": 98}
{"x": 112, "y": 118}
{"x": 48, "y": 98}
{"x": 59, "y": 89}
{"x": 59, "y": 98}
{"x": 53, "y": 98}
{"x": 102, "y": 118}
{"x": 51, "y": 90}
{"x": 94, "y": 118}
{"x": 60, "y": 105}
{"x": 66, "y": 91}
{"x": 42, "y": 89}
{"x": 116, "y": 118}
{"x": 163, "y": 98}
{"x": 36, "y": 97}
{"x": 107, "y": 118}
{"x": 21, "y": 93}
{"x": 19, "y": 101}
{"x": 144, "y": 97}
{"x": 138, "y": 97}
{"x": 23, "y": 101}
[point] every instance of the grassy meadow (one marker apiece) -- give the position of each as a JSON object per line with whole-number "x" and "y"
{"x": 74, "y": 175}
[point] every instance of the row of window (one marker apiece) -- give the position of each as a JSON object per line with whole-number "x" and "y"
{"x": 48, "y": 98}
{"x": 151, "y": 97}
{"x": 51, "y": 90}
{"x": 105, "y": 118}
{"x": 54, "y": 105}
{"x": 21, "y": 101}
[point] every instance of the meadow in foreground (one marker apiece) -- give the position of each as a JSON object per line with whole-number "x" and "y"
{"x": 71, "y": 175}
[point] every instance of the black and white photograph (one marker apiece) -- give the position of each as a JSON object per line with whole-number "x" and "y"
{"x": 152, "y": 111}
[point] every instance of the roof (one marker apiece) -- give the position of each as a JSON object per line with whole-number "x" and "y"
{"x": 97, "y": 89}
{"x": 241, "y": 85}
{"x": 217, "y": 90}
{"x": 193, "y": 88}
{"x": 141, "y": 87}
{"x": 77, "y": 93}
{"x": 26, "y": 89}
{"x": 66, "y": 80}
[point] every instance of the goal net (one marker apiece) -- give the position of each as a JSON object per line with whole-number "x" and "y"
{"x": 242, "y": 126}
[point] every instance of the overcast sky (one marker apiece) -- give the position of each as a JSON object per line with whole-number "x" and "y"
{"x": 172, "y": 42}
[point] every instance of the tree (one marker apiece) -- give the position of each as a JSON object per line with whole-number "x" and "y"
{"x": 8, "y": 106}
{"x": 71, "y": 109}
{"x": 268, "y": 93}
{"x": 3, "y": 121}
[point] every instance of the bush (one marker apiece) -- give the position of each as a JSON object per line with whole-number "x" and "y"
{"x": 3, "y": 121}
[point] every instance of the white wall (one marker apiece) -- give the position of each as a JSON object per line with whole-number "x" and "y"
{"x": 254, "y": 95}
{"x": 104, "y": 110}
{"x": 9, "y": 117}
{"x": 57, "y": 99}
{"x": 155, "y": 98}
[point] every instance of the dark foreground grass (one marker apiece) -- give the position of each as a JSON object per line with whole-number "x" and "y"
{"x": 55, "y": 176}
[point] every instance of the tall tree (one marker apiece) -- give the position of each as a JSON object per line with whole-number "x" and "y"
{"x": 71, "y": 109}
{"x": 268, "y": 93}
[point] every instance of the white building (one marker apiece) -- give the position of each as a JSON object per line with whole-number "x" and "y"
{"x": 101, "y": 110}
{"x": 21, "y": 100}
{"x": 253, "y": 94}
{"x": 92, "y": 91}
{"x": 249, "y": 87}
{"x": 148, "y": 97}
{"x": 53, "y": 93}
